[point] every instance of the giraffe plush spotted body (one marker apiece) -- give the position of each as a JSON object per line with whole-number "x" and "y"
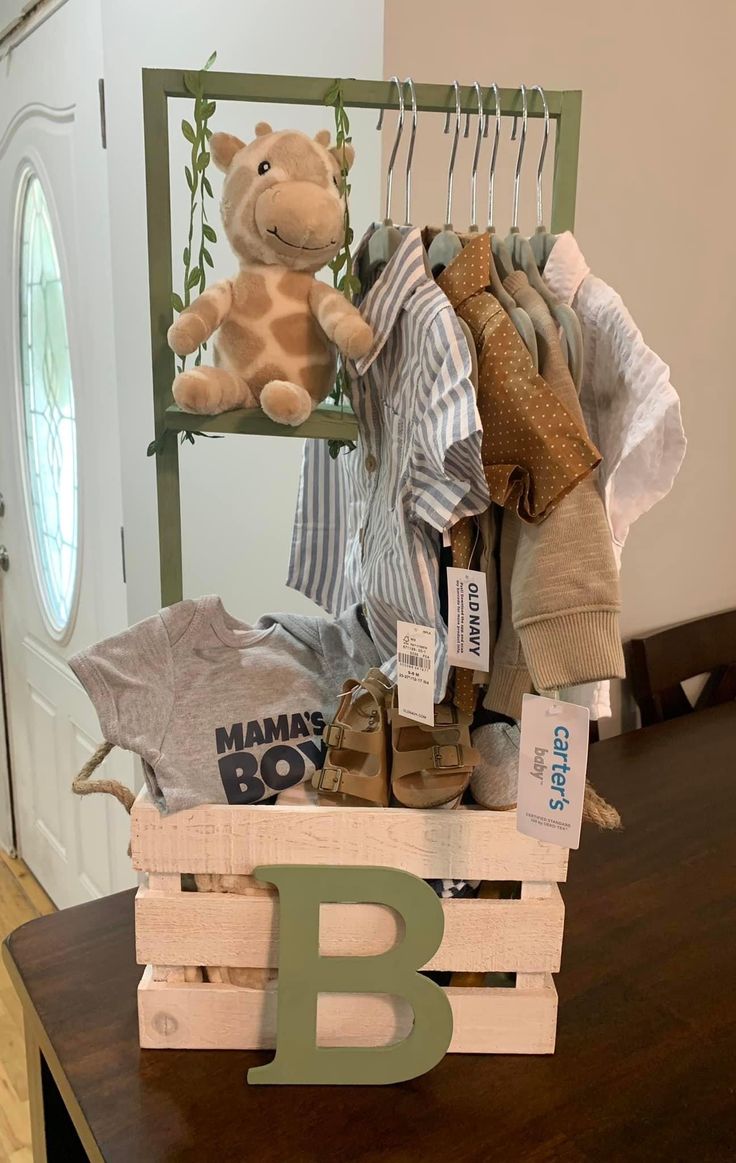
{"x": 275, "y": 325}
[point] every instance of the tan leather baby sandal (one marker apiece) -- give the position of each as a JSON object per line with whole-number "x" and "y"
{"x": 431, "y": 765}
{"x": 355, "y": 771}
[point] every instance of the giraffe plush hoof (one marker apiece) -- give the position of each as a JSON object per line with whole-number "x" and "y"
{"x": 286, "y": 403}
{"x": 193, "y": 392}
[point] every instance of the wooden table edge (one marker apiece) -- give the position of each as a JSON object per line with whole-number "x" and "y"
{"x": 38, "y": 1040}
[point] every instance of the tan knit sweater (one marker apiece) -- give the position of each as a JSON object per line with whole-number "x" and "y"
{"x": 562, "y": 586}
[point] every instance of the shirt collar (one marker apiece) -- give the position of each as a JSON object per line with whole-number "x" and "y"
{"x": 468, "y": 273}
{"x": 405, "y": 271}
{"x": 566, "y": 268}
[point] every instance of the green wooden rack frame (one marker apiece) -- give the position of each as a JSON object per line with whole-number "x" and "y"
{"x": 161, "y": 85}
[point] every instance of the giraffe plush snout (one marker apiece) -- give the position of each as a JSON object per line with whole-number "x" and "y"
{"x": 276, "y": 327}
{"x": 301, "y": 221}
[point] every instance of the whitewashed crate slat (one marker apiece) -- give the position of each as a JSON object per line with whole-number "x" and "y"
{"x": 224, "y": 929}
{"x": 225, "y": 1017}
{"x": 462, "y": 844}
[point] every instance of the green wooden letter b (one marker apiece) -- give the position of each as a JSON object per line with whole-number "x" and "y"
{"x": 304, "y": 974}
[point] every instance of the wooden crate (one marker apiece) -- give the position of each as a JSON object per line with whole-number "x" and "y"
{"x": 179, "y": 929}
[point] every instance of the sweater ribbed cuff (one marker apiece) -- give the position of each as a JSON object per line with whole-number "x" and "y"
{"x": 573, "y": 648}
{"x": 506, "y": 689}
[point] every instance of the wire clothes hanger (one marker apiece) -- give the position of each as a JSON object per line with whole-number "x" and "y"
{"x": 538, "y": 241}
{"x": 386, "y": 238}
{"x": 481, "y": 133}
{"x": 521, "y": 251}
{"x": 446, "y": 245}
{"x": 501, "y": 253}
{"x": 542, "y": 241}
{"x": 410, "y": 152}
{"x": 518, "y": 315}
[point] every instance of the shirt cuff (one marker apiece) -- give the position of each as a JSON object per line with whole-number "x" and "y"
{"x": 567, "y": 649}
{"x": 506, "y": 690}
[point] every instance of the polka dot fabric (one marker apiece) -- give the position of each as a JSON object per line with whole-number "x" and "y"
{"x": 534, "y": 452}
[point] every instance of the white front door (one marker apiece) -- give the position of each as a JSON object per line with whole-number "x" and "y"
{"x": 59, "y": 462}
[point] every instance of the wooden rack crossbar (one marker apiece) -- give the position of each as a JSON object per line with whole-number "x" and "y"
{"x": 162, "y": 85}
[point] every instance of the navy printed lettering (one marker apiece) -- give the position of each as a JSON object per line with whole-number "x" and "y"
{"x": 299, "y": 728}
{"x": 232, "y": 741}
{"x": 315, "y": 752}
{"x": 287, "y": 756}
{"x": 254, "y": 734}
{"x": 254, "y": 765}
{"x": 276, "y": 730}
{"x": 239, "y": 779}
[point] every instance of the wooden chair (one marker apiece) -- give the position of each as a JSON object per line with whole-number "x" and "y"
{"x": 658, "y": 664}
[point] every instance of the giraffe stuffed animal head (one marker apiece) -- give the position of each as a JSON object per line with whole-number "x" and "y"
{"x": 275, "y": 326}
{"x": 281, "y": 200}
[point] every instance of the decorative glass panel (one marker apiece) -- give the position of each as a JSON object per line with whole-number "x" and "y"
{"x": 48, "y": 409}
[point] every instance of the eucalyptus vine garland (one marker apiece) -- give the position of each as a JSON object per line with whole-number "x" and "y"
{"x": 200, "y": 189}
{"x": 343, "y": 273}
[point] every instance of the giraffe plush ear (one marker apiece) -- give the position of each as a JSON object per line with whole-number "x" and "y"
{"x": 344, "y": 155}
{"x": 263, "y": 128}
{"x": 223, "y": 148}
{"x": 323, "y": 137}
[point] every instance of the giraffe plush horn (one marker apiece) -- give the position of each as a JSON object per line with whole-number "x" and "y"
{"x": 223, "y": 148}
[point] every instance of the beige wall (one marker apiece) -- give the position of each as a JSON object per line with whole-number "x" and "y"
{"x": 656, "y": 219}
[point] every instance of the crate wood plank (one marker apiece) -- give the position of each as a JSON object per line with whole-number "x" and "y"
{"x": 226, "y": 929}
{"x": 466, "y": 843}
{"x": 208, "y": 1017}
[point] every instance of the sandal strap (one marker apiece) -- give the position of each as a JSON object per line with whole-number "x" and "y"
{"x": 340, "y": 779}
{"x": 341, "y": 737}
{"x": 445, "y": 758}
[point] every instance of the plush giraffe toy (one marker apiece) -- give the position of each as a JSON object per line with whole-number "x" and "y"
{"x": 276, "y": 324}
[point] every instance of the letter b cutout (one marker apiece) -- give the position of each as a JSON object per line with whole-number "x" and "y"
{"x": 304, "y": 974}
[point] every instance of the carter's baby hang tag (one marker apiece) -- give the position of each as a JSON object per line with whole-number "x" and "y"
{"x": 553, "y": 757}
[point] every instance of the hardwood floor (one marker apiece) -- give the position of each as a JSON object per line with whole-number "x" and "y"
{"x": 21, "y": 899}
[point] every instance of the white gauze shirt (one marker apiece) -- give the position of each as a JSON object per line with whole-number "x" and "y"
{"x": 630, "y": 407}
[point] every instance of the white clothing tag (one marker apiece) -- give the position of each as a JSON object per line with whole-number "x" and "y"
{"x": 446, "y": 539}
{"x": 553, "y": 757}
{"x": 415, "y": 671}
{"x": 468, "y": 640}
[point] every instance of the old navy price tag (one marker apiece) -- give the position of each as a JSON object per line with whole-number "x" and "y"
{"x": 553, "y": 757}
{"x": 468, "y": 640}
{"x": 415, "y": 669}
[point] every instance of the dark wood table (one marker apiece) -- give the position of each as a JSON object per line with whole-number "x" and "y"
{"x": 645, "y": 1067}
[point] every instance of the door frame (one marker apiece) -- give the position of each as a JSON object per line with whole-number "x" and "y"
{"x": 9, "y": 840}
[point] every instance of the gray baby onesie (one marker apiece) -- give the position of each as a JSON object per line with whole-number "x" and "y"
{"x": 219, "y": 711}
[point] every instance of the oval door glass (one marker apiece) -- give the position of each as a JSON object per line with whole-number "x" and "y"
{"x": 48, "y": 410}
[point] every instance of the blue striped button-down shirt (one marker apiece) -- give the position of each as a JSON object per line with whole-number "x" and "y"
{"x": 368, "y": 525}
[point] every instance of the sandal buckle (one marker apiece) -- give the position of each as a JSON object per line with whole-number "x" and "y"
{"x": 333, "y": 734}
{"x": 440, "y": 751}
{"x": 328, "y": 779}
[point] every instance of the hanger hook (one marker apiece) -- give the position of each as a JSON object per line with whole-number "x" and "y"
{"x": 520, "y": 154}
{"x": 482, "y": 132}
{"x": 543, "y": 154}
{"x": 410, "y": 151}
{"x": 494, "y": 154}
{"x": 453, "y": 153}
{"x": 395, "y": 148}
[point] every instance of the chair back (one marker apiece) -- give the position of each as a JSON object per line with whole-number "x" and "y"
{"x": 659, "y": 663}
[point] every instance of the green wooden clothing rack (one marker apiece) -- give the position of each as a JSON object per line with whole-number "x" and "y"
{"x": 159, "y": 85}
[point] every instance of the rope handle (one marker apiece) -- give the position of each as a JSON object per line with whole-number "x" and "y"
{"x": 596, "y": 810}
{"x": 82, "y": 786}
